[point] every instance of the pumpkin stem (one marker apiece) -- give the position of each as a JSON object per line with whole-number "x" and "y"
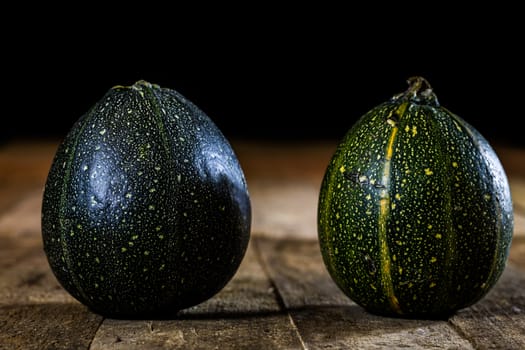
{"x": 419, "y": 91}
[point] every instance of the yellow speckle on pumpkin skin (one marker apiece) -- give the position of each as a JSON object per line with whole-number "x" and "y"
{"x": 428, "y": 171}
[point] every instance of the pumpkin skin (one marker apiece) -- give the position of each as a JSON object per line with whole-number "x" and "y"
{"x": 146, "y": 210}
{"x": 415, "y": 214}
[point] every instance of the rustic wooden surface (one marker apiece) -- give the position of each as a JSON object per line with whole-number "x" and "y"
{"x": 281, "y": 296}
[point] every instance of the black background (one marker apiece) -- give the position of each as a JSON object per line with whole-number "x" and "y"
{"x": 266, "y": 73}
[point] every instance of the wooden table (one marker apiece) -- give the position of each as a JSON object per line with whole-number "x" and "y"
{"x": 281, "y": 296}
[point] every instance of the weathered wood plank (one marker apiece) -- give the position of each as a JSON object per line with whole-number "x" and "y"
{"x": 512, "y": 160}
{"x": 42, "y": 326}
{"x": 326, "y": 318}
{"x": 284, "y": 161}
{"x": 284, "y": 209}
{"x": 22, "y": 218}
{"x": 517, "y": 248}
{"x": 517, "y": 188}
{"x": 519, "y": 223}
{"x": 20, "y": 233}
{"x": 254, "y": 332}
{"x": 517, "y": 253}
{"x": 26, "y": 162}
{"x": 23, "y": 169}
{"x": 24, "y": 273}
{"x": 10, "y": 196}
{"x": 244, "y": 315}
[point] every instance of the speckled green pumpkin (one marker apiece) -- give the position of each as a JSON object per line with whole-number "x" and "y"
{"x": 414, "y": 214}
{"x": 146, "y": 209}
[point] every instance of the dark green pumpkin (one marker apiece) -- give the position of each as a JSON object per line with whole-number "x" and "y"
{"x": 414, "y": 214}
{"x": 146, "y": 209}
